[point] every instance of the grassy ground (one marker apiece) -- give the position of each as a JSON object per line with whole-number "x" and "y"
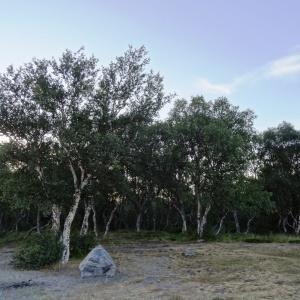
{"x": 132, "y": 236}
{"x": 122, "y": 236}
{"x": 152, "y": 266}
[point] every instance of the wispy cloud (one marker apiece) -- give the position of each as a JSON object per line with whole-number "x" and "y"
{"x": 214, "y": 88}
{"x": 284, "y": 66}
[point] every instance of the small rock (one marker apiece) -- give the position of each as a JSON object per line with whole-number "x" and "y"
{"x": 97, "y": 263}
{"x": 200, "y": 241}
{"x": 189, "y": 252}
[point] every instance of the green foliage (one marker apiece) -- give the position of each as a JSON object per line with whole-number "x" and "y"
{"x": 37, "y": 251}
{"x": 78, "y": 129}
{"x": 81, "y": 245}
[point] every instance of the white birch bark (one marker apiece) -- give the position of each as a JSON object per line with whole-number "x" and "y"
{"x": 94, "y": 220}
{"x": 204, "y": 220}
{"x": 236, "y": 220}
{"x": 183, "y": 218}
{"x": 78, "y": 186}
{"x": 85, "y": 222}
{"x": 248, "y": 224}
{"x": 297, "y": 229}
{"x": 198, "y": 216}
{"x": 138, "y": 222}
{"x": 221, "y": 224}
{"x": 110, "y": 220}
{"x": 56, "y": 213}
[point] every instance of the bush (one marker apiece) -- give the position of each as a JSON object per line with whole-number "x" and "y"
{"x": 37, "y": 251}
{"x": 81, "y": 245}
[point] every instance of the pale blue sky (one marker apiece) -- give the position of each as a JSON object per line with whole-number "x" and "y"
{"x": 246, "y": 50}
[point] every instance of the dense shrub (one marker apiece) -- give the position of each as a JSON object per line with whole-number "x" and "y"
{"x": 37, "y": 251}
{"x": 82, "y": 244}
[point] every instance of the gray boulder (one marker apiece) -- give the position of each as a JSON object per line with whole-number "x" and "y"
{"x": 97, "y": 263}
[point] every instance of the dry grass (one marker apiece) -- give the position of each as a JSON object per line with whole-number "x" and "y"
{"x": 216, "y": 271}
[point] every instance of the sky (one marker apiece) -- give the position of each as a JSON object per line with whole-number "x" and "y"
{"x": 248, "y": 51}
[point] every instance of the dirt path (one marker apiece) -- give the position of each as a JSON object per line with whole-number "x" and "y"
{"x": 157, "y": 270}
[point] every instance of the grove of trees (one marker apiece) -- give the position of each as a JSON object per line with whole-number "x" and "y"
{"x": 88, "y": 152}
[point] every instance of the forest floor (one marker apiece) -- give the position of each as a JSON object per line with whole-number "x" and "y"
{"x": 159, "y": 270}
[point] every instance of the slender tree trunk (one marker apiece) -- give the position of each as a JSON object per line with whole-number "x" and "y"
{"x": 236, "y": 220}
{"x": 67, "y": 227}
{"x": 56, "y": 213}
{"x": 78, "y": 187}
{"x": 94, "y": 220}
{"x": 19, "y": 217}
{"x": 279, "y": 221}
{"x": 204, "y": 220}
{"x": 198, "y": 217}
{"x": 183, "y": 218}
{"x": 248, "y": 225}
{"x": 138, "y": 222}
{"x": 297, "y": 229}
{"x": 1, "y": 219}
{"x": 167, "y": 218}
{"x": 154, "y": 223}
{"x": 17, "y": 224}
{"x": 85, "y": 223}
{"x": 38, "y": 229}
{"x": 221, "y": 224}
{"x": 110, "y": 220}
{"x": 284, "y": 223}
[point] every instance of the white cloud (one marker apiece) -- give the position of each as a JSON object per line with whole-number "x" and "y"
{"x": 284, "y": 66}
{"x": 288, "y": 65}
{"x": 208, "y": 87}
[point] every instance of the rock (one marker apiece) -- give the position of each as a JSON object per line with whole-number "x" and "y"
{"x": 97, "y": 263}
{"x": 189, "y": 252}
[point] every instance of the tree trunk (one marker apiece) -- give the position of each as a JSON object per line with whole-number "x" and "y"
{"x": 221, "y": 224}
{"x": 154, "y": 223}
{"x": 297, "y": 229}
{"x": 183, "y": 218}
{"x": 110, "y": 220}
{"x": 1, "y": 219}
{"x": 85, "y": 222}
{"x": 78, "y": 187}
{"x": 167, "y": 218}
{"x": 204, "y": 220}
{"x": 236, "y": 220}
{"x": 138, "y": 222}
{"x": 248, "y": 225}
{"x": 67, "y": 227}
{"x": 94, "y": 220}
{"x": 17, "y": 225}
{"x": 284, "y": 222}
{"x": 279, "y": 221}
{"x": 19, "y": 217}
{"x": 198, "y": 217}
{"x": 56, "y": 213}
{"x": 38, "y": 229}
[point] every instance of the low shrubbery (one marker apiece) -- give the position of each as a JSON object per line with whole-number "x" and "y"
{"x": 257, "y": 238}
{"x": 37, "y": 251}
{"x": 121, "y": 236}
{"x": 7, "y": 238}
{"x": 82, "y": 244}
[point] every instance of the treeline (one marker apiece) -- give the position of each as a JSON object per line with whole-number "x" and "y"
{"x": 87, "y": 151}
